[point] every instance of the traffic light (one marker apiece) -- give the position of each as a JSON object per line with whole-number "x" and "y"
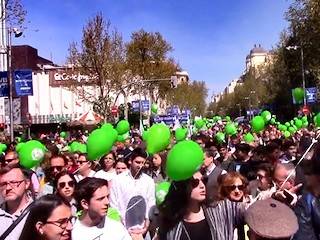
{"x": 174, "y": 81}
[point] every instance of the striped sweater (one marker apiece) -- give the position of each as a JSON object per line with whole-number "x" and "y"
{"x": 222, "y": 220}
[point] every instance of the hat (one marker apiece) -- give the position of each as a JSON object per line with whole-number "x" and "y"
{"x": 271, "y": 219}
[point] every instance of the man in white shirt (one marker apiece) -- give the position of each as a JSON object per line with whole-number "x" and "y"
{"x": 84, "y": 166}
{"x": 14, "y": 185}
{"x": 133, "y": 194}
{"x": 211, "y": 172}
{"x": 92, "y": 197}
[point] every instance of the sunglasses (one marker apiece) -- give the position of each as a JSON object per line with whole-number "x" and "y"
{"x": 196, "y": 181}
{"x": 82, "y": 162}
{"x": 58, "y": 168}
{"x": 234, "y": 187}
{"x": 63, "y": 184}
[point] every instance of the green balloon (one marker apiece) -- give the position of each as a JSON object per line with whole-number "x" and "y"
{"x": 220, "y": 137}
{"x": 19, "y": 146}
{"x": 158, "y": 138}
{"x": 291, "y": 130}
{"x": 63, "y": 134}
{"x": 18, "y": 139}
{"x": 122, "y": 127}
{"x": 82, "y": 148}
{"x": 154, "y": 108}
{"x": 184, "y": 159}
{"x": 228, "y": 118}
{"x": 282, "y": 128}
{"x": 292, "y": 122}
{"x": 305, "y": 124}
{"x": 272, "y": 121}
{"x": 162, "y": 190}
{"x": 31, "y": 154}
{"x": 298, "y": 94}
{"x": 3, "y": 147}
{"x": 145, "y": 136}
{"x": 304, "y": 119}
{"x": 298, "y": 123}
{"x": 181, "y": 134}
{"x": 317, "y": 120}
{"x": 114, "y": 214}
{"x": 266, "y": 116}
{"x": 123, "y": 137}
{"x": 100, "y": 143}
{"x": 287, "y": 134}
{"x": 107, "y": 126}
{"x": 287, "y": 124}
{"x": 199, "y": 123}
{"x": 231, "y": 129}
{"x": 248, "y": 138}
{"x": 74, "y": 147}
{"x": 257, "y": 123}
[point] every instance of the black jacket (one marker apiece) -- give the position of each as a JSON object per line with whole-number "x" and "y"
{"x": 307, "y": 210}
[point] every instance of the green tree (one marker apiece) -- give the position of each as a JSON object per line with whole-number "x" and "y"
{"x": 147, "y": 58}
{"x": 101, "y": 56}
{"x": 192, "y": 96}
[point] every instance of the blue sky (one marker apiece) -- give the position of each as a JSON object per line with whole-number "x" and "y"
{"x": 211, "y": 38}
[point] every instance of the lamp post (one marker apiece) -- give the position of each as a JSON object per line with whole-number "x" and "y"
{"x": 302, "y": 69}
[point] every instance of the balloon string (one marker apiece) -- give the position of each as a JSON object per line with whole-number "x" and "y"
{"x": 301, "y": 159}
{"x": 77, "y": 170}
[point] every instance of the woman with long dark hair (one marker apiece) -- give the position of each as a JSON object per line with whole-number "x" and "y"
{"x": 185, "y": 217}
{"x": 65, "y": 184}
{"x": 49, "y": 219}
{"x": 107, "y": 163}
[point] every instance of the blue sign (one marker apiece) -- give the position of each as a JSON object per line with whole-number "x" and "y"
{"x": 174, "y": 110}
{"x": 23, "y": 82}
{"x": 4, "y": 86}
{"x": 311, "y": 95}
{"x": 145, "y": 105}
{"x": 171, "y": 119}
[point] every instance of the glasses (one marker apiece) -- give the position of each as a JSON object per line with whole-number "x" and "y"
{"x": 58, "y": 168}
{"x": 63, "y": 184}
{"x": 196, "y": 181}
{"x": 234, "y": 187}
{"x": 13, "y": 184}
{"x": 63, "y": 223}
{"x": 7, "y": 161}
{"x": 82, "y": 162}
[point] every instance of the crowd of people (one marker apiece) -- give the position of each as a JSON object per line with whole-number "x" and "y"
{"x": 256, "y": 190}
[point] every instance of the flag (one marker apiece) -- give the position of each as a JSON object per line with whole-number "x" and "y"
{"x": 176, "y": 124}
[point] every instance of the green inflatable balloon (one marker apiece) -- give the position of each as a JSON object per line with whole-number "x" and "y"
{"x": 317, "y": 120}
{"x": 257, "y": 123}
{"x": 298, "y": 95}
{"x": 122, "y": 127}
{"x": 304, "y": 119}
{"x": 82, "y": 148}
{"x": 291, "y": 130}
{"x": 158, "y": 138}
{"x": 107, "y": 126}
{"x": 184, "y": 159}
{"x": 181, "y": 134}
{"x": 18, "y": 139}
{"x": 63, "y": 134}
{"x": 287, "y": 124}
{"x": 74, "y": 147}
{"x": 266, "y": 116}
{"x": 123, "y": 137}
{"x": 287, "y": 134}
{"x": 162, "y": 190}
{"x": 231, "y": 129}
{"x": 114, "y": 214}
{"x": 228, "y": 118}
{"x": 220, "y": 137}
{"x": 3, "y": 147}
{"x": 298, "y": 123}
{"x": 199, "y": 123}
{"x": 154, "y": 108}
{"x": 282, "y": 128}
{"x": 99, "y": 143}
{"x": 248, "y": 138}
{"x": 31, "y": 154}
{"x": 305, "y": 124}
{"x": 145, "y": 136}
{"x": 19, "y": 146}
{"x": 272, "y": 121}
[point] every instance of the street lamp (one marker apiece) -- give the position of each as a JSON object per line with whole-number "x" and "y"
{"x": 302, "y": 69}
{"x": 17, "y": 33}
